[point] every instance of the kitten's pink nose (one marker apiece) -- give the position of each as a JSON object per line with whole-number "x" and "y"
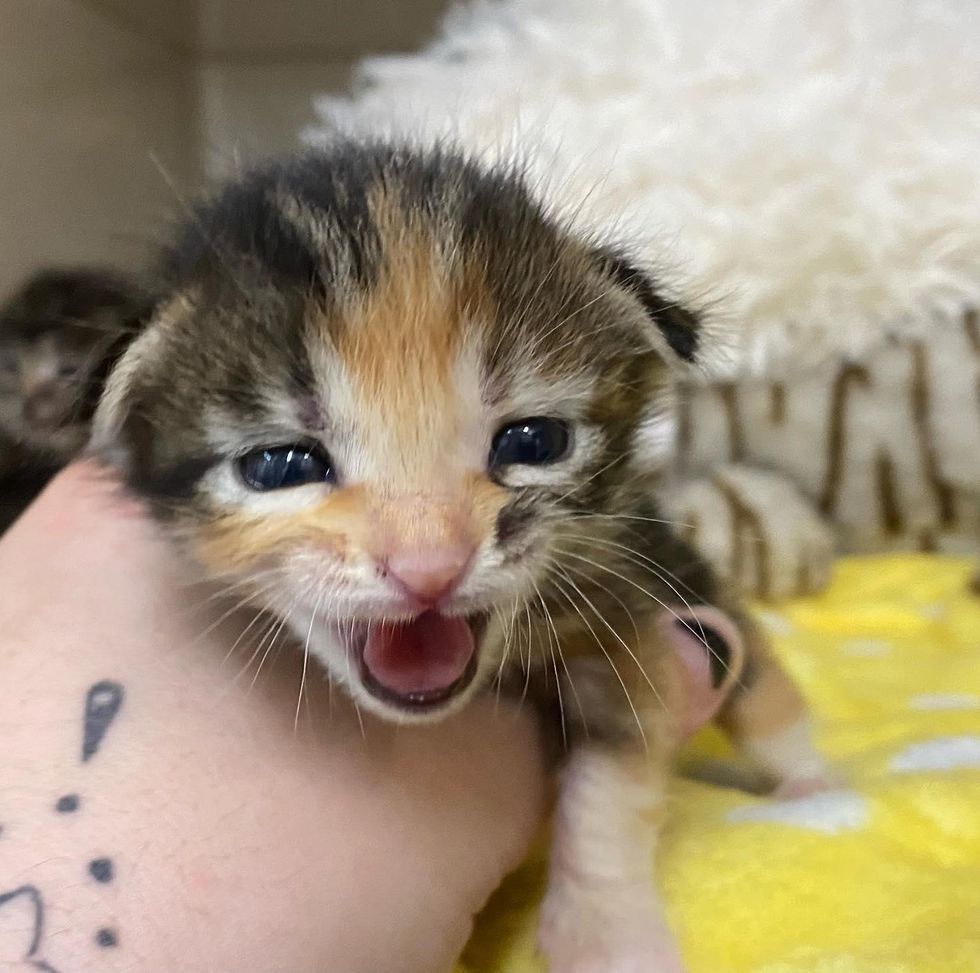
{"x": 429, "y": 574}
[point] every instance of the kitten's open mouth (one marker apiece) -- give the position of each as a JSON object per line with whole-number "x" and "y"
{"x": 420, "y": 663}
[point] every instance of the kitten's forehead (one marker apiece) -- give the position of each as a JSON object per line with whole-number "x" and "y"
{"x": 411, "y": 367}
{"x": 404, "y": 304}
{"x": 401, "y": 366}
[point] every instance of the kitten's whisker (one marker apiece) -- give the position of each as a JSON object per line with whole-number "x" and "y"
{"x": 602, "y": 648}
{"x": 265, "y": 655}
{"x": 530, "y": 639}
{"x": 558, "y": 693}
{"x": 561, "y": 701}
{"x": 195, "y": 219}
{"x": 530, "y": 630}
{"x": 306, "y": 659}
{"x": 582, "y": 483}
{"x": 602, "y": 618}
{"x": 612, "y": 594}
{"x": 650, "y": 520}
{"x": 510, "y": 632}
{"x": 350, "y": 679}
{"x": 500, "y": 665}
{"x": 273, "y": 622}
{"x": 222, "y": 587}
{"x": 539, "y": 339}
{"x": 553, "y": 632}
{"x": 249, "y": 599}
{"x": 651, "y": 567}
{"x": 700, "y": 629}
{"x": 259, "y": 614}
{"x": 753, "y": 535}
{"x": 266, "y": 634}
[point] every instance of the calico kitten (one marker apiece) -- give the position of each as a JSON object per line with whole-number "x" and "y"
{"x": 423, "y": 421}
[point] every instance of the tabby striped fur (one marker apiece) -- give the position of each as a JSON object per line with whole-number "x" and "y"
{"x": 881, "y": 454}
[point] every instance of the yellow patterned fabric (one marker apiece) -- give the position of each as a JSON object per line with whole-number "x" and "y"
{"x": 882, "y": 876}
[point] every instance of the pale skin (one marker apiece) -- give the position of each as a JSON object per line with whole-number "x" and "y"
{"x": 238, "y": 836}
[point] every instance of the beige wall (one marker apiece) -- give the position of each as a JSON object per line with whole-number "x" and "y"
{"x": 308, "y": 28}
{"x": 259, "y": 73}
{"x": 85, "y": 105}
{"x": 251, "y": 110}
{"x": 96, "y": 96}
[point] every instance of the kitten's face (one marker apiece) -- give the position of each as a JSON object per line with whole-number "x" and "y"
{"x": 384, "y": 402}
{"x": 43, "y": 384}
{"x": 56, "y": 336}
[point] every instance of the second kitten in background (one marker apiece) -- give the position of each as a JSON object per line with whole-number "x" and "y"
{"x": 60, "y": 333}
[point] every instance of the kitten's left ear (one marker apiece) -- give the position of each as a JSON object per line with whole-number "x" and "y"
{"x": 679, "y": 327}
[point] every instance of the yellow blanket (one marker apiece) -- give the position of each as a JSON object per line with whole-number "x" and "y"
{"x": 880, "y": 877}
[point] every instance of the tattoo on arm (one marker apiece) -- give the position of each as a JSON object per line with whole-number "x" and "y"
{"x": 102, "y": 704}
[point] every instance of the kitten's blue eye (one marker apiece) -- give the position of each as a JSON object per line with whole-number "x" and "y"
{"x": 531, "y": 442}
{"x": 278, "y": 467}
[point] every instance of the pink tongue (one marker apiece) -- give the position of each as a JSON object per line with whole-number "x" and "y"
{"x": 424, "y": 655}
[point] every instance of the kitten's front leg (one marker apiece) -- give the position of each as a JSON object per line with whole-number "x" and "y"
{"x": 602, "y": 912}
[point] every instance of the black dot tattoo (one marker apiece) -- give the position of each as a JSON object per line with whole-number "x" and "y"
{"x": 106, "y": 938}
{"x": 101, "y": 869}
{"x": 67, "y": 804}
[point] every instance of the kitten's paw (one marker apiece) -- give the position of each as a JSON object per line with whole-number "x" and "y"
{"x": 607, "y": 940}
{"x": 757, "y": 530}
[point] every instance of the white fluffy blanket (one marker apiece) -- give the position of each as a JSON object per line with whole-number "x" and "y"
{"x": 807, "y": 168}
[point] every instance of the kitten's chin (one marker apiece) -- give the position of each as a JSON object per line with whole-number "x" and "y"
{"x": 419, "y": 670}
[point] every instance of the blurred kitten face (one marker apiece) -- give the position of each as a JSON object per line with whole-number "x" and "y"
{"x": 388, "y": 410}
{"x": 57, "y": 334}
{"x": 43, "y": 384}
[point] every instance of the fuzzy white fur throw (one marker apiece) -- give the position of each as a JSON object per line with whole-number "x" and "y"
{"x": 809, "y": 168}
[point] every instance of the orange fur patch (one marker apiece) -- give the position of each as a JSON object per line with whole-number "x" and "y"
{"x": 352, "y": 521}
{"x": 399, "y": 345}
{"x": 407, "y": 325}
{"x": 240, "y": 540}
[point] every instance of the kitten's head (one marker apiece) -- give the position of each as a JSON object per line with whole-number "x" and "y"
{"x": 58, "y": 333}
{"x": 385, "y": 388}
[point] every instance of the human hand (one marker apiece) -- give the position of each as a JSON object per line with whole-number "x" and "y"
{"x": 208, "y": 829}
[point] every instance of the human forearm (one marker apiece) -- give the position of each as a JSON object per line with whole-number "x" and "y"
{"x": 227, "y": 835}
